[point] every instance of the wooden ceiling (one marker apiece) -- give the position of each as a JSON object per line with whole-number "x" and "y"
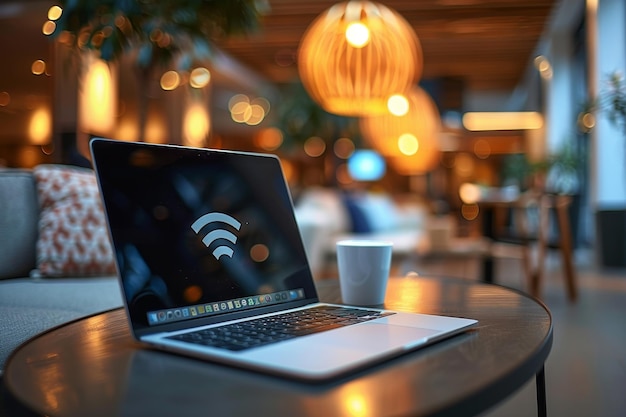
{"x": 485, "y": 44}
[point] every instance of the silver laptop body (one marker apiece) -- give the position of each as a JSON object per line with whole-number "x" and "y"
{"x": 205, "y": 238}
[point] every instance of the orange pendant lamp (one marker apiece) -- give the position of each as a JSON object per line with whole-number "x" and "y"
{"x": 408, "y": 134}
{"x": 357, "y": 54}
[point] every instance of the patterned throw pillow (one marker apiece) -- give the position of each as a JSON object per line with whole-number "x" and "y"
{"x": 73, "y": 239}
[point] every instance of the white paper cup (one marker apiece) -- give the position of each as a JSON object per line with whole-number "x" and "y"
{"x": 363, "y": 270}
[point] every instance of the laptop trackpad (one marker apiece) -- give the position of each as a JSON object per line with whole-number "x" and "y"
{"x": 361, "y": 340}
{"x": 377, "y": 336}
{"x": 330, "y": 352}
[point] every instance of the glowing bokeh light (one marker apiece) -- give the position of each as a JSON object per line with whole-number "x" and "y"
{"x": 314, "y": 146}
{"x": 48, "y": 28}
{"x": 408, "y": 144}
{"x": 469, "y": 193}
{"x": 170, "y": 80}
{"x": 343, "y": 148}
{"x": 259, "y": 252}
{"x": 244, "y": 110}
{"x": 237, "y": 98}
{"x": 192, "y": 294}
{"x": 263, "y": 102}
{"x": 398, "y": 105}
{"x": 241, "y": 112}
{"x": 257, "y": 114}
{"x": 97, "y": 98}
{"x": 482, "y": 149}
{"x": 156, "y": 129}
{"x": 486, "y": 121}
{"x": 366, "y": 165}
{"x": 269, "y": 139}
{"x": 470, "y": 211}
{"x": 586, "y": 122}
{"x": 357, "y": 406}
{"x": 38, "y": 67}
{"x": 199, "y": 77}
{"x": 196, "y": 125}
{"x": 40, "y": 126}
{"x": 55, "y": 12}
{"x": 357, "y": 34}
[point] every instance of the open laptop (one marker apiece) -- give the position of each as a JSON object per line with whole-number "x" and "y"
{"x": 211, "y": 264}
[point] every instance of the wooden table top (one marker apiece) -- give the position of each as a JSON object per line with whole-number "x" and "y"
{"x": 93, "y": 366}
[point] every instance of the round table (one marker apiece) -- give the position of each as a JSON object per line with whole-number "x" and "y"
{"x": 94, "y": 367}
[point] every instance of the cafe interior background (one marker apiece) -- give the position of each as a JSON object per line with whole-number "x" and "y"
{"x": 437, "y": 101}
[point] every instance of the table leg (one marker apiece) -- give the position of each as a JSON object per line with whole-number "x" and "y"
{"x": 489, "y": 232}
{"x": 542, "y": 410}
{"x": 488, "y": 269}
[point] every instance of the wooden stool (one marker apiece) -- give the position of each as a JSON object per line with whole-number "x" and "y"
{"x": 560, "y": 204}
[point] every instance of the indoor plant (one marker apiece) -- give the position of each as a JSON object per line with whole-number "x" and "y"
{"x": 156, "y": 33}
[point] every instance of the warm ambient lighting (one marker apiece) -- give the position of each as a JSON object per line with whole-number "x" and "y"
{"x": 343, "y": 148}
{"x": 544, "y": 67}
{"x": 170, "y": 80}
{"x": 357, "y": 35}
{"x": 196, "y": 125}
{"x": 269, "y": 139}
{"x": 40, "y": 127}
{"x": 398, "y": 105}
{"x": 357, "y": 54}
{"x": 251, "y": 112}
{"x": 469, "y": 193}
{"x": 314, "y": 146}
{"x": 199, "y": 77}
{"x": 586, "y": 121}
{"x": 408, "y": 144}
{"x": 411, "y": 141}
{"x": 483, "y": 121}
{"x": 48, "y": 28}
{"x": 38, "y": 67}
{"x": 97, "y": 97}
{"x": 55, "y": 12}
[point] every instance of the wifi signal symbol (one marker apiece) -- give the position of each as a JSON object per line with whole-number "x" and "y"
{"x": 217, "y": 233}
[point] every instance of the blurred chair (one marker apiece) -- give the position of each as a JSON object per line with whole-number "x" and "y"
{"x": 526, "y": 223}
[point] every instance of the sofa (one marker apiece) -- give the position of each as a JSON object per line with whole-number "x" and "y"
{"x": 56, "y": 263}
{"x": 326, "y": 215}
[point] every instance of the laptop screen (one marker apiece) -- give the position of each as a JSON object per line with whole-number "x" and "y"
{"x": 200, "y": 233}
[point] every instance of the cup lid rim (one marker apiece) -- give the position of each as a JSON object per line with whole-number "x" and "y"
{"x": 364, "y": 242}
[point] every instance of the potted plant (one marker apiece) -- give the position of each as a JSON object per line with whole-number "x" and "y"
{"x": 611, "y": 221}
{"x": 156, "y": 33}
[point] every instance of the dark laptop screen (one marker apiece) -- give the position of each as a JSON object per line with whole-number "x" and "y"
{"x": 199, "y": 233}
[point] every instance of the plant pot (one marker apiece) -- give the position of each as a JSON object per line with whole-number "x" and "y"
{"x": 611, "y": 237}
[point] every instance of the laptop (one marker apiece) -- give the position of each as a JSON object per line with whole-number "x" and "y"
{"x": 211, "y": 265}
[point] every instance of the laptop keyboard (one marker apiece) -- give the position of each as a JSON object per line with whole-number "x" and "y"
{"x": 266, "y": 330}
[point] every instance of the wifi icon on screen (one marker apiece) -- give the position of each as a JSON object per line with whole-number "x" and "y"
{"x": 217, "y": 234}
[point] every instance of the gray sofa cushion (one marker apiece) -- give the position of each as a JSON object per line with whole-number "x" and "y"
{"x": 18, "y": 223}
{"x": 30, "y": 306}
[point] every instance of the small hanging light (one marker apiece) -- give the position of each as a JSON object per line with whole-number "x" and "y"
{"x": 356, "y": 55}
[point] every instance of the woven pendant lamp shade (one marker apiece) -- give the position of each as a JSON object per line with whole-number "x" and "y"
{"x": 357, "y": 80}
{"x": 411, "y": 141}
